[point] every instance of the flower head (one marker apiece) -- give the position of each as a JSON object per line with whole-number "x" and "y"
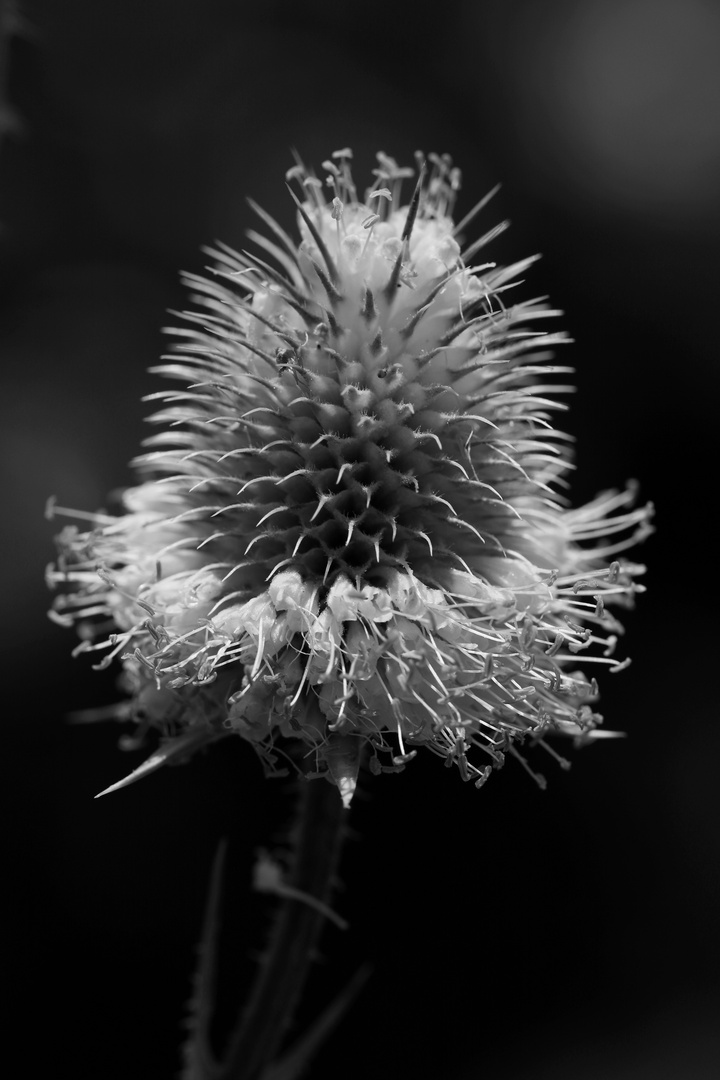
{"x": 348, "y": 532}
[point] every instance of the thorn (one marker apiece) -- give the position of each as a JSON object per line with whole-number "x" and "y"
{"x": 268, "y": 878}
{"x": 197, "y": 1056}
{"x": 179, "y": 747}
{"x": 294, "y": 1064}
{"x": 414, "y": 204}
{"x": 475, "y": 210}
{"x": 333, "y": 295}
{"x": 389, "y": 290}
{"x": 329, "y": 262}
{"x": 368, "y": 311}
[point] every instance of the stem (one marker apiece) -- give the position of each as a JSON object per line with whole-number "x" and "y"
{"x": 317, "y": 844}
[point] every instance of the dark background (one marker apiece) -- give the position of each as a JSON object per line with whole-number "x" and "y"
{"x": 515, "y": 933}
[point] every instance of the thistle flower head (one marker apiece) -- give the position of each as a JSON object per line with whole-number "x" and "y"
{"x": 348, "y": 531}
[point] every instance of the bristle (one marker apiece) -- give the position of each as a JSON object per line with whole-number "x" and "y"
{"x": 322, "y": 247}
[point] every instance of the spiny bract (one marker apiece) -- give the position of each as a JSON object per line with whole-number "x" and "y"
{"x": 350, "y": 527}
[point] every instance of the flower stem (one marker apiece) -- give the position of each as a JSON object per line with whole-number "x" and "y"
{"x": 266, "y": 1017}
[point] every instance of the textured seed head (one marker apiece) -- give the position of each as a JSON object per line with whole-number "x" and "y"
{"x": 348, "y": 531}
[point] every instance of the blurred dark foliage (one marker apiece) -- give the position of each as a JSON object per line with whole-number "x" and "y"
{"x": 514, "y": 933}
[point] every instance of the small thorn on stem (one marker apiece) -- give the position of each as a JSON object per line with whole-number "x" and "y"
{"x": 268, "y": 878}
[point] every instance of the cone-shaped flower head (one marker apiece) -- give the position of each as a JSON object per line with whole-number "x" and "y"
{"x": 348, "y": 531}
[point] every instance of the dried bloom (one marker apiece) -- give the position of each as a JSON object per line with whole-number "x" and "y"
{"x": 349, "y": 532}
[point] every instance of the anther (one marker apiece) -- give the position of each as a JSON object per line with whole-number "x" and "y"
{"x": 556, "y": 646}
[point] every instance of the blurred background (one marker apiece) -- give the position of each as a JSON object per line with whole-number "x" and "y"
{"x": 514, "y": 933}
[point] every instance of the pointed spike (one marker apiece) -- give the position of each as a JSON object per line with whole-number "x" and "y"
{"x": 487, "y": 238}
{"x": 268, "y": 878}
{"x": 336, "y": 329}
{"x": 392, "y": 284}
{"x": 272, "y": 224}
{"x": 389, "y": 290}
{"x": 505, "y": 274}
{"x": 324, "y": 498}
{"x": 368, "y": 311}
{"x": 198, "y": 1059}
{"x": 292, "y": 295}
{"x": 426, "y": 538}
{"x": 333, "y": 295}
{"x": 295, "y": 1062}
{"x": 290, "y": 266}
{"x": 414, "y": 204}
{"x": 289, "y": 339}
{"x": 409, "y": 328}
{"x": 329, "y": 262}
{"x": 173, "y": 749}
{"x": 475, "y": 210}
